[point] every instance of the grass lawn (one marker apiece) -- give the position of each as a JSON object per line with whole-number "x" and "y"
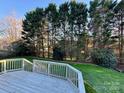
{"x": 103, "y": 80}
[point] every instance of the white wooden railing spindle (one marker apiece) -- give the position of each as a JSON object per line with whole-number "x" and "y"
{"x": 4, "y": 66}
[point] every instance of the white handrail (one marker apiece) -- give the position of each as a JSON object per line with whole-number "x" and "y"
{"x": 15, "y": 64}
{"x": 61, "y": 70}
{"x": 27, "y": 61}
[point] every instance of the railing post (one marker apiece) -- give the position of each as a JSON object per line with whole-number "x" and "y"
{"x": 66, "y": 71}
{"x": 80, "y": 83}
{"x": 4, "y": 66}
{"x": 33, "y": 66}
{"x": 48, "y": 69}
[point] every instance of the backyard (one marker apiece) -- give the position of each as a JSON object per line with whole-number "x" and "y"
{"x": 97, "y": 79}
{"x": 76, "y": 46}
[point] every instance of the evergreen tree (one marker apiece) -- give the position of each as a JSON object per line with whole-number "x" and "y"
{"x": 33, "y": 26}
{"x": 119, "y": 16}
{"x": 52, "y": 16}
{"x": 81, "y": 19}
{"x": 63, "y": 19}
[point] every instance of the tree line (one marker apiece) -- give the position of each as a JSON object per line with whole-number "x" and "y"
{"x": 70, "y": 27}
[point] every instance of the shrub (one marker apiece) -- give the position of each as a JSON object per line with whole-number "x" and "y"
{"x": 104, "y": 57}
{"x": 19, "y": 49}
{"x": 57, "y": 53}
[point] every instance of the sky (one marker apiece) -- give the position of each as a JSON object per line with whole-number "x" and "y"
{"x": 20, "y": 7}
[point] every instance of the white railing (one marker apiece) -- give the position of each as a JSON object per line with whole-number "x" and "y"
{"x": 15, "y": 64}
{"x": 61, "y": 70}
{"x": 27, "y": 65}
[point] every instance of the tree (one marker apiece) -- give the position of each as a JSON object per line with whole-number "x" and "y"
{"x": 57, "y": 53}
{"x": 119, "y": 15}
{"x": 107, "y": 13}
{"x": 72, "y": 19}
{"x": 101, "y": 14}
{"x": 81, "y": 19}
{"x": 10, "y": 28}
{"x": 33, "y": 27}
{"x": 94, "y": 21}
{"x": 52, "y": 16}
{"x": 63, "y": 19}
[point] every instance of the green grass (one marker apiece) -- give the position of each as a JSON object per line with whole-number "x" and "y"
{"x": 98, "y": 79}
{"x": 89, "y": 88}
{"x": 102, "y": 79}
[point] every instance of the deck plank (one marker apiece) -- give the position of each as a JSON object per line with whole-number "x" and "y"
{"x": 29, "y": 82}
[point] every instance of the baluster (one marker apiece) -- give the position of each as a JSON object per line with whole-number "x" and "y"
{"x": 48, "y": 69}
{"x": 57, "y": 72}
{"x": 51, "y": 68}
{"x": 34, "y": 64}
{"x": 23, "y": 64}
{"x": 10, "y": 64}
{"x": 60, "y": 72}
{"x": 5, "y": 66}
{"x": 66, "y": 71}
{"x": 14, "y": 64}
{"x": 2, "y": 66}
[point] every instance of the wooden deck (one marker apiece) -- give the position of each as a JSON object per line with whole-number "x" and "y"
{"x": 29, "y": 82}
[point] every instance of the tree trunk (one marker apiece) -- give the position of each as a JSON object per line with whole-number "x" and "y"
{"x": 71, "y": 42}
{"x": 78, "y": 50}
{"x": 42, "y": 43}
{"x": 52, "y": 39}
{"x": 64, "y": 41}
{"x": 48, "y": 45}
{"x": 121, "y": 39}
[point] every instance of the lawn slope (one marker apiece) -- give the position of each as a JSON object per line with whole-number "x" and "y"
{"x": 103, "y": 80}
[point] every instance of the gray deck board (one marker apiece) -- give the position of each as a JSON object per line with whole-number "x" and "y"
{"x": 29, "y": 82}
